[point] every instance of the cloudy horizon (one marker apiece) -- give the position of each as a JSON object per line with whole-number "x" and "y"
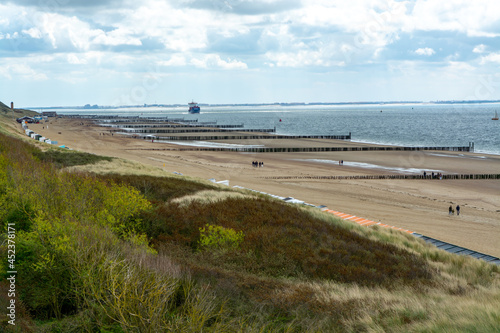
{"x": 113, "y": 52}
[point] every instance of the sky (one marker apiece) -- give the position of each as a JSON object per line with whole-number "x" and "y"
{"x": 129, "y": 52}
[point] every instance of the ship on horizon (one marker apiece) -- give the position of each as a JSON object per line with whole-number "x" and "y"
{"x": 193, "y": 107}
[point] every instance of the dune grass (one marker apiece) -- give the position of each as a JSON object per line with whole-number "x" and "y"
{"x": 285, "y": 241}
{"x": 68, "y": 158}
{"x": 158, "y": 189}
{"x": 124, "y": 253}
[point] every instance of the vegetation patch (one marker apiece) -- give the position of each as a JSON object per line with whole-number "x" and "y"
{"x": 215, "y": 237}
{"x": 285, "y": 241}
{"x": 209, "y": 196}
{"x": 68, "y": 158}
{"x": 159, "y": 189}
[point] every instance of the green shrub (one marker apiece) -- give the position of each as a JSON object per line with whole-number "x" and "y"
{"x": 215, "y": 237}
{"x": 20, "y": 217}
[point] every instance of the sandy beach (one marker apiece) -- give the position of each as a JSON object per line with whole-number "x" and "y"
{"x": 419, "y": 205}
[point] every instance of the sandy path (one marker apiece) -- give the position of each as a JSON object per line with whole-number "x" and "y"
{"x": 417, "y": 205}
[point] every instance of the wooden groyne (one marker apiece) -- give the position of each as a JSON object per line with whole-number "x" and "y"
{"x": 196, "y": 128}
{"x": 363, "y": 177}
{"x": 200, "y": 130}
{"x": 311, "y": 149}
{"x": 90, "y": 116}
{"x": 166, "y": 125}
{"x": 249, "y": 137}
{"x": 116, "y": 119}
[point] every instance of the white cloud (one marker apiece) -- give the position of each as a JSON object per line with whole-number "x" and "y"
{"x": 481, "y": 48}
{"x": 90, "y": 57}
{"x": 427, "y": 51}
{"x": 21, "y": 71}
{"x": 304, "y": 58}
{"x": 64, "y": 32}
{"x": 175, "y": 60}
{"x": 492, "y": 57}
{"x": 475, "y": 18}
{"x": 116, "y": 37}
{"x": 459, "y": 67}
{"x": 33, "y": 33}
{"x": 178, "y": 30}
{"x": 214, "y": 61}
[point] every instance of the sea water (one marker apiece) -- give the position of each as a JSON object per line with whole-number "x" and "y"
{"x": 442, "y": 125}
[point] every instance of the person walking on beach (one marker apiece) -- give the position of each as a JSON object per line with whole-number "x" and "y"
{"x": 458, "y": 210}
{"x": 450, "y": 210}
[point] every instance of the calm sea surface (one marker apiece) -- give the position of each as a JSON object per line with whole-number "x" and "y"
{"x": 405, "y": 125}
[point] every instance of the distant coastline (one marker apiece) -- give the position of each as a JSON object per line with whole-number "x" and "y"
{"x": 97, "y": 107}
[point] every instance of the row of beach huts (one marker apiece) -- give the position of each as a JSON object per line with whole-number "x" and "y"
{"x": 37, "y": 136}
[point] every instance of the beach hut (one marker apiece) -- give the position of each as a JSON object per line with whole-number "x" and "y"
{"x": 42, "y": 139}
{"x": 53, "y": 142}
{"x": 25, "y": 119}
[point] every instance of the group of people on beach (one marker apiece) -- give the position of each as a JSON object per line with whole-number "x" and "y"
{"x": 451, "y": 211}
{"x": 437, "y": 175}
{"x": 257, "y": 164}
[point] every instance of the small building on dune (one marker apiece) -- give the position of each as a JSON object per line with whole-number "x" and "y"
{"x": 27, "y": 119}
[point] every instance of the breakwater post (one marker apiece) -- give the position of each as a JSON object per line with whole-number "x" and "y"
{"x": 364, "y": 177}
{"x": 311, "y": 149}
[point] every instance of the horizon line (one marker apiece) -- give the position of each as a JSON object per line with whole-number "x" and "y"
{"x": 145, "y": 105}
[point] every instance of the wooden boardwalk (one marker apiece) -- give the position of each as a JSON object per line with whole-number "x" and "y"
{"x": 362, "y": 221}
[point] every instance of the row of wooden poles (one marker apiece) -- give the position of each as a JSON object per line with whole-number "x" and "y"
{"x": 447, "y": 176}
{"x": 312, "y": 149}
{"x": 168, "y": 125}
{"x": 249, "y": 137}
{"x": 141, "y": 121}
{"x": 196, "y": 128}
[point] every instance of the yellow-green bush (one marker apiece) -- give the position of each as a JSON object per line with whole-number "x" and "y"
{"x": 217, "y": 237}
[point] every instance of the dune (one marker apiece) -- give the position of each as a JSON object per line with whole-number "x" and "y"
{"x": 420, "y": 205}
